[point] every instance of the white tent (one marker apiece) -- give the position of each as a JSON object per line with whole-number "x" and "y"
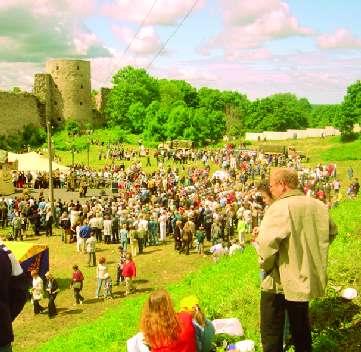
{"x": 34, "y": 162}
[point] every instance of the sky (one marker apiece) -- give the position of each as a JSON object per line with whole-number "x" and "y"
{"x": 311, "y": 48}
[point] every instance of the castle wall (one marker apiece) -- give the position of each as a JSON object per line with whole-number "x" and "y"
{"x": 71, "y": 93}
{"x": 17, "y": 111}
{"x": 42, "y": 90}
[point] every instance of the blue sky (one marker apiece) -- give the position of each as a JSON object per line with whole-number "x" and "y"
{"x": 257, "y": 47}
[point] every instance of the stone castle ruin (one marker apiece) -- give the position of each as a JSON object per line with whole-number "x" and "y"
{"x": 60, "y": 94}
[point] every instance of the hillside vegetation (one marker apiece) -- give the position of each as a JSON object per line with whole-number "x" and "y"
{"x": 230, "y": 288}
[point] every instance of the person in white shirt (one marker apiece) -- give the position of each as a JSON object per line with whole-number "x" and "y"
{"x": 101, "y": 271}
{"x": 107, "y": 227}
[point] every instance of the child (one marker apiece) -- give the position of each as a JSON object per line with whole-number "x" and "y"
{"x": 200, "y": 236}
{"x": 120, "y": 265}
{"x": 124, "y": 237}
{"x": 108, "y": 286}
{"x": 204, "y": 328}
{"x": 129, "y": 272}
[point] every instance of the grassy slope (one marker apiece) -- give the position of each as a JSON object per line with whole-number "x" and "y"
{"x": 231, "y": 286}
{"x": 228, "y": 288}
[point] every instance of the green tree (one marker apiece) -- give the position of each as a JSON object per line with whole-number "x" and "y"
{"x": 136, "y": 117}
{"x": 155, "y": 120}
{"x": 174, "y": 91}
{"x": 177, "y": 121}
{"x": 236, "y": 108}
{"x": 130, "y": 85}
{"x": 211, "y": 99}
{"x": 351, "y": 111}
{"x": 324, "y": 115}
{"x": 16, "y": 90}
{"x": 277, "y": 112}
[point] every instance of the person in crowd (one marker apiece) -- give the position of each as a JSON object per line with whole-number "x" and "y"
{"x": 164, "y": 329}
{"x": 133, "y": 241}
{"x": 16, "y": 223}
{"x": 90, "y": 249}
{"x": 101, "y": 271}
{"x": 65, "y": 226}
{"x": 37, "y": 292}
{"x": 107, "y": 229}
{"x": 129, "y": 273}
{"x": 200, "y": 237}
{"x": 123, "y": 234}
{"x": 293, "y": 242}
{"x": 187, "y": 235}
{"x": 77, "y": 284}
{"x": 49, "y": 220}
{"x": 204, "y": 328}
{"x": 120, "y": 265}
{"x": 108, "y": 287}
{"x": 13, "y": 295}
{"x": 52, "y": 289}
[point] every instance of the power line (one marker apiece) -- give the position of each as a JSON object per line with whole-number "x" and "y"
{"x": 172, "y": 34}
{"x": 139, "y": 28}
{"x": 135, "y": 35}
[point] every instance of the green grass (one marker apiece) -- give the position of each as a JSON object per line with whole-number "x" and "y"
{"x": 226, "y": 289}
{"x": 230, "y": 288}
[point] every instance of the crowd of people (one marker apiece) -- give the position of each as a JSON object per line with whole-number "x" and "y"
{"x": 178, "y": 201}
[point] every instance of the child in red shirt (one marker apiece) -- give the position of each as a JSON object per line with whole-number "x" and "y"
{"x": 129, "y": 272}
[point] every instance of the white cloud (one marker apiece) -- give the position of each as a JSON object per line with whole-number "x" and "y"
{"x": 165, "y": 12}
{"x": 40, "y": 29}
{"x": 18, "y": 74}
{"x": 251, "y": 24}
{"x": 340, "y": 39}
{"x": 241, "y": 12}
{"x": 146, "y": 42}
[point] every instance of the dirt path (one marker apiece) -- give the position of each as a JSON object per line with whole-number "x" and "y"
{"x": 158, "y": 267}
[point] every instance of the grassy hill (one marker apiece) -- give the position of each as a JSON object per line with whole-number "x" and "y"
{"x": 231, "y": 287}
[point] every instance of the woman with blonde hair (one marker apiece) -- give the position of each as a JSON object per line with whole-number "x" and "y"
{"x": 165, "y": 330}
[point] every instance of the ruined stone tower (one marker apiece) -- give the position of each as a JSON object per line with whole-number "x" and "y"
{"x": 71, "y": 89}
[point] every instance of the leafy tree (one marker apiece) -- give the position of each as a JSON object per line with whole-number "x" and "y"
{"x": 72, "y": 127}
{"x": 211, "y": 99}
{"x": 155, "y": 120}
{"x": 136, "y": 116}
{"x": 351, "y": 111}
{"x": 16, "y": 90}
{"x": 277, "y": 112}
{"x": 236, "y": 107}
{"x": 324, "y": 115}
{"x": 175, "y": 91}
{"x": 177, "y": 121}
{"x": 130, "y": 85}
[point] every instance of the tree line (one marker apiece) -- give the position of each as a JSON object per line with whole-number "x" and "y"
{"x": 161, "y": 109}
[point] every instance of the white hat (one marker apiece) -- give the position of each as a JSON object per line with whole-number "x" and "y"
{"x": 349, "y": 293}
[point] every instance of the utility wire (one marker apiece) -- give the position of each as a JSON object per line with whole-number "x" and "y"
{"x": 135, "y": 35}
{"x": 139, "y": 28}
{"x": 172, "y": 34}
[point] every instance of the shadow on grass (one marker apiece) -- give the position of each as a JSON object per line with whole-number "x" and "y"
{"x": 152, "y": 251}
{"x": 72, "y": 311}
{"x": 334, "y": 325}
{"x": 140, "y": 281}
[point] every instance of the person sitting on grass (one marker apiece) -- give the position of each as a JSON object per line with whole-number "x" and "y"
{"x": 165, "y": 330}
{"x": 129, "y": 273}
{"x": 204, "y": 328}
